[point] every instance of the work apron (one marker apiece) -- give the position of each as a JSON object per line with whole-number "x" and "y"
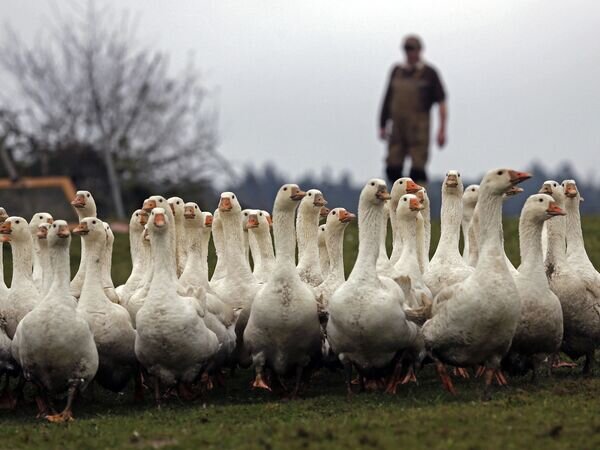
{"x": 410, "y": 124}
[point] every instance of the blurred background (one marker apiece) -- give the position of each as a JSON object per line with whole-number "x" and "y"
{"x": 131, "y": 98}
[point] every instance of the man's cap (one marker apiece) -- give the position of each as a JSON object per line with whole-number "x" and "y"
{"x": 412, "y": 41}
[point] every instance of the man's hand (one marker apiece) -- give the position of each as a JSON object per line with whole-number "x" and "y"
{"x": 383, "y": 134}
{"x": 441, "y": 137}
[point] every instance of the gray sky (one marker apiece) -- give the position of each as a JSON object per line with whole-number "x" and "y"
{"x": 300, "y": 83}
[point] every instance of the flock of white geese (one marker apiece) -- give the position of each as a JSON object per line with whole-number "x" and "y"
{"x": 172, "y": 330}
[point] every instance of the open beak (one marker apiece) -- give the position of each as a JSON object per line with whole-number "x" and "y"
{"x": 571, "y": 190}
{"x": 421, "y": 196}
{"x": 189, "y": 212}
{"x": 63, "y": 232}
{"x": 42, "y": 233}
{"x": 518, "y": 177}
{"x": 451, "y": 181}
{"x": 159, "y": 220}
{"x": 324, "y": 211}
{"x": 143, "y": 218}
{"x": 346, "y": 216}
{"x": 412, "y": 187}
{"x": 416, "y": 205}
{"x": 81, "y": 229}
{"x": 297, "y": 194}
{"x": 252, "y": 222}
{"x": 513, "y": 190}
{"x": 149, "y": 205}
{"x": 225, "y": 204}
{"x": 382, "y": 193}
{"x": 208, "y": 221}
{"x": 78, "y": 201}
{"x": 319, "y": 200}
{"x": 555, "y": 210}
{"x": 6, "y": 228}
{"x": 545, "y": 189}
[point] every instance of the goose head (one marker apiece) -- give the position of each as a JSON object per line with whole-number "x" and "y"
{"x": 512, "y": 191}
{"x": 541, "y": 207}
{"x": 42, "y": 231}
{"x": 401, "y": 186}
{"x": 229, "y": 203}
{"x": 498, "y": 181}
{"x": 155, "y": 201}
{"x": 91, "y": 228}
{"x": 268, "y": 218}
{"x": 139, "y": 218}
{"x": 421, "y": 194}
{"x": 192, "y": 216}
{"x": 409, "y": 206}
{"x": 38, "y": 219}
{"x": 553, "y": 189}
{"x": 158, "y": 222}
{"x": 14, "y": 229}
{"x": 375, "y": 192}
{"x": 288, "y": 196}
{"x": 250, "y": 219}
{"x": 85, "y": 203}
{"x": 177, "y": 206}
{"x": 338, "y": 219}
{"x": 3, "y": 215}
{"x": 570, "y": 189}
{"x": 470, "y": 195}
{"x": 207, "y": 220}
{"x": 58, "y": 234}
{"x": 313, "y": 202}
{"x": 453, "y": 184}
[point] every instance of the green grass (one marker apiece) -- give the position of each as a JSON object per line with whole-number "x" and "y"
{"x": 558, "y": 412}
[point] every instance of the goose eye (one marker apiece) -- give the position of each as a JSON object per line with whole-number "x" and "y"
{"x": 555, "y": 184}
{"x": 246, "y": 214}
{"x": 41, "y": 217}
{"x": 473, "y": 189}
{"x": 310, "y": 194}
{"x": 500, "y": 172}
{"x": 53, "y": 226}
{"x": 333, "y": 212}
{"x": 372, "y": 184}
{"x": 285, "y": 188}
{"x": 541, "y": 200}
{"x": 17, "y": 221}
{"x": 196, "y": 207}
{"x": 88, "y": 195}
{"x": 178, "y": 203}
{"x": 401, "y": 182}
{"x": 458, "y": 174}
{"x": 232, "y": 197}
{"x": 404, "y": 199}
{"x": 94, "y": 222}
{"x": 260, "y": 214}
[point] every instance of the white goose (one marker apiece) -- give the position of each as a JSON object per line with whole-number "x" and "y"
{"x": 259, "y": 229}
{"x": 447, "y": 267}
{"x": 323, "y": 254}
{"x": 43, "y": 258}
{"x": 580, "y": 301}
{"x": 177, "y": 206}
{"x": 400, "y": 187}
{"x": 110, "y": 323}
{"x": 406, "y": 271}
{"x": 140, "y": 255}
{"x": 85, "y": 206}
{"x": 367, "y": 327}
{"x": 23, "y": 296}
{"x": 54, "y": 343}
{"x": 477, "y": 321}
{"x": 423, "y": 232}
{"x": 107, "y": 282}
{"x": 576, "y": 254}
{"x": 469, "y": 201}
{"x": 540, "y": 329}
{"x": 337, "y": 221}
{"x": 384, "y": 265}
{"x": 38, "y": 266}
{"x": 284, "y": 309}
{"x": 172, "y": 340}
{"x": 219, "y": 242}
{"x": 307, "y": 228}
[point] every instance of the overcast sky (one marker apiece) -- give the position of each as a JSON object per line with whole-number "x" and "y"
{"x": 300, "y": 83}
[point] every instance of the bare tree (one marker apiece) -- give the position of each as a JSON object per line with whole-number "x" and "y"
{"x": 90, "y": 81}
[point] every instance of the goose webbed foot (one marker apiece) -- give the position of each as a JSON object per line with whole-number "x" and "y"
{"x": 260, "y": 383}
{"x": 557, "y": 363}
{"x": 206, "y": 382}
{"x": 67, "y": 414}
{"x": 445, "y": 378}
{"x": 461, "y": 372}
{"x": 410, "y": 376}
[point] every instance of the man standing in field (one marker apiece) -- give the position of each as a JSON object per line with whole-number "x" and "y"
{"x": 412, "y": 90}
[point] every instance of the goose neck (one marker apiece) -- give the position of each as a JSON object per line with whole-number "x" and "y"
{"x": 370, "y": 217}
{"x": 556, "y": 252}
{"x": 285, "y": 235}
{"x": 162, "y": 250}
{"x": 61, "y": 272}
{"x": 233, "y": 236}
{"x": 94, "y": 263}
{"x": 307, "y": 229}
{"x": 575, "y": 242}
{"x": 22, "y": 260}
{"x": 530, "y": 244}
{"x": 451, "y": 217}
{"x": 335, "y": 249}
{"x": 490, "y": 223}
{"x": 408, "y": 230}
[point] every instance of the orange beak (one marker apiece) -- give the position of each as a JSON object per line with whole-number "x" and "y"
{"x": 297, "y": 194}
{"x": 42, "y": 233}
{"x": 208, "y": 221}
{"x": 252, "y": 222}
{"x": 571, "y": 190}
{"x": 6, "y": 228}
{"x": 78, "y": 201}
{"x": 346, "y": 216}
{"x": 324, "y": 211}
{"x": 50, "y": 221}
{"x": 518, "y": 177}
{"x": 225, "y": 204}
{"x": 513, "y": 190}
{"x": 382, "y": 193}
{"x": 81, "y": 229}
{"x": 555, "y": 210}
{"x": 421, "y": 196}
{"x": 63, "y": 231}
{"x": 412, "y": 187}
{"x": 189, "y": 212}
{"x": 319, "y": 200}
{"x": 415, "y": 205}
{"x": 149, "y": 205}
{"x": 451, "y": 181}
{"x": 159, "y": 220}
{"x": 143, "y": 218}
{"x": 546, "y": 189}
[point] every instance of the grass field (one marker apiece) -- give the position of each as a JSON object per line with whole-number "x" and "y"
{"x": 558, "y": 412}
